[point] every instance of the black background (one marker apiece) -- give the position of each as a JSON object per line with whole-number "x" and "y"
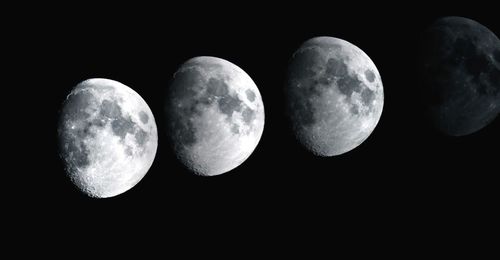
{"x": 406, "y": 180}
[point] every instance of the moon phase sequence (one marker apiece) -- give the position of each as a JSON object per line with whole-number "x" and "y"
{"x": 334, "y": 96}
{"x": 107, "y": 136}
{"x": 215, "y": 115}
{"x": 215, "y": 118}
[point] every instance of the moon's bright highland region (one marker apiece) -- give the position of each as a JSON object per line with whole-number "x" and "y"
{"x": 107, "y": 137}
{"x": 334, "y": 96}
{"x": 215, "y": 115}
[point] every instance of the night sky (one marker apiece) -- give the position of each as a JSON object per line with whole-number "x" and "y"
{"x": 406, "y": 178}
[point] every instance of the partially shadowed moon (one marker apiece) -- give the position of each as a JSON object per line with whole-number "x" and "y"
{"x": 334, "y": 96}
{"x": 107, "y": 137}
{"x": 215, "y": 115}
{"x": 460, "y": 69}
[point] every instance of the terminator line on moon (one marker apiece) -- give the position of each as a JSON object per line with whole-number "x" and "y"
{"x": 215, "y": 115}
{"x": 334, "y": 96}
{"x": 107, "y": 137}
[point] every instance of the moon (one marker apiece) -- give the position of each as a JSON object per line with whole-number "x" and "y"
{"x": 215, "y": 115}
{"x": 460, "y": 72}
{"x": 107, "y": 137}
{"x": 334, "y": 96}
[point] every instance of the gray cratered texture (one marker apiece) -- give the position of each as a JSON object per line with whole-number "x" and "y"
{"x": 460, "y": 65}
{"x": 107, "y": 137}
{"x": 215, "y": 115}
{"x": 334, "y": 96}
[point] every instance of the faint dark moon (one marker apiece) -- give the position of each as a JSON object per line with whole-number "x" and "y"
{"x": 460, "y": 70}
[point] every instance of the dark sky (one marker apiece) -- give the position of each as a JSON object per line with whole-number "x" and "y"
{"x": 404, "y": 177}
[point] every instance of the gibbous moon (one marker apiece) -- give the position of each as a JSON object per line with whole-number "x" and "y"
{"x": 460, "y": 69}
{"x": 334, "y": 96}
{"x": 107, "y": 137}
{"x": 215, "y": 115}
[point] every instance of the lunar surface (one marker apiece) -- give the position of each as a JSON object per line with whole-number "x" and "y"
{"x": 215, "y": 115}
{"x": 460, "y": 65}
{"x": 107, "y": 137}
{"x": 334, "y": 96}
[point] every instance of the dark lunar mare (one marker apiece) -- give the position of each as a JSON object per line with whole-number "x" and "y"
{"x": 460, "y": 75}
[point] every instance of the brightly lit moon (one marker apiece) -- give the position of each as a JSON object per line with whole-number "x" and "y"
{"x": 215, "y": 115}
{"x": 107, "y": 137}
{"x": 334, "y": 96}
